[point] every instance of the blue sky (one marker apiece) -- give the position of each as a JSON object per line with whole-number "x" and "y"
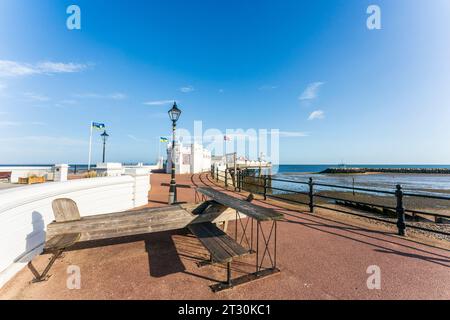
{"x": 336, "y": 90}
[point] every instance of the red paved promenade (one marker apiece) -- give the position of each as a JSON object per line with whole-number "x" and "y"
{"x": 321, "y": 256}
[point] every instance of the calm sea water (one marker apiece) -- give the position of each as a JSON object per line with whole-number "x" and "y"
{"x": 422, "y": 183}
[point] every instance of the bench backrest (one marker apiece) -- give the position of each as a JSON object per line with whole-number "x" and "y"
{"x": 243, "y": 206}
{"x": 65, "y": 210}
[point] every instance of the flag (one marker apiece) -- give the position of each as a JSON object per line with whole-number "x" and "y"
{"x": 162, "y": 139}
{"x": 98, "y": 126}
{"x": 225, "y": 138}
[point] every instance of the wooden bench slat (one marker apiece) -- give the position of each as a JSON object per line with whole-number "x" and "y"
{"x": 221, "y": 246}
{"x": 249, "y": 209}
{"x": 61, "y": 241}
{"x": 218, "y": 236}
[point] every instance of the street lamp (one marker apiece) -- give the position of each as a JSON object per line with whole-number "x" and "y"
{"x": 174, "y": 114}
{"x": 104, "y": 136}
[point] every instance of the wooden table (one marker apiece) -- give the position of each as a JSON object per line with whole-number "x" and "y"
{"x": 254, "y": 213}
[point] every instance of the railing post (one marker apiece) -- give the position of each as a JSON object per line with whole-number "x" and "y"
{"x": 238, "y": 177}
{"x": 400, "y": 211}
{"x": 226, "y": 178}
{"x": 311, "y": 195}
{"x": 217, "y": 174}
{"x": 265, "y": 187}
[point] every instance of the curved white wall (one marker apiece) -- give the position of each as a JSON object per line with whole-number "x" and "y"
{"x": 26, "y": 211}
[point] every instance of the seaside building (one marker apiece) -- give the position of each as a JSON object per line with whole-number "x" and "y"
{"x": 189, "y": 159}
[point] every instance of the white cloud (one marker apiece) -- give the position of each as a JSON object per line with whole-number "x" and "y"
{"x": 187, "y": 89}
{"x": 267, "y": 88}
{"x": 60, "y": 67}
{"x": 9, "y": 123}
{"x": 158, "y": 102}
{"x": 36, "y": 97}
{"x": 113, "y": 96}
{"x": 45, "y": 140}
{"x": 318, "y": 114}
{"x": 292, "y": 134}
{"x": 68, "y": 101}
{"x": 117, "y": 96}
{"x": 311, "y": 91}
{"x": 19, "y": 123}
{"x": 134, "y": 138}
{"x": 10, "y": 68}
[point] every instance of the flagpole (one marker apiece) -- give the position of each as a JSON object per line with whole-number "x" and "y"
{"x": 90, "y": 147}
{"x": 159, "y": 149}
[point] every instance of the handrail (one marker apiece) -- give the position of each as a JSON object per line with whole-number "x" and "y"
{"x": 262, "y": 182}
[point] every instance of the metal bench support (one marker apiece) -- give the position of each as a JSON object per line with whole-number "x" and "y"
{"x": 43, "y": 276}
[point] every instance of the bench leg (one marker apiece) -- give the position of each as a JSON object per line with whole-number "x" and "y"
{"x": 229, "y": 274}
{"x": 231, "y": 283}
{"x": 43, "y": 277}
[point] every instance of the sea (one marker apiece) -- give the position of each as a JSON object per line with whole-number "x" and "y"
{"x": 419, "y": 183}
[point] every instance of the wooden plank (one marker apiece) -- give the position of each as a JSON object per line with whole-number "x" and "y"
{"x": 61, "y": 241}
{"x": 218, "y": 254}
{"x": 112, "y": 226}
{"x": 249, "y": 209}
{"x": 139, "y": 222}
{"x": 221, "y": 246}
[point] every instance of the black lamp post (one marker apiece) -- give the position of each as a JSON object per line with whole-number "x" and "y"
{"x": 104, "y": 136}
{"x": 174, "y": 114}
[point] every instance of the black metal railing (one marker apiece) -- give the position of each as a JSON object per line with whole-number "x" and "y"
{"x": 263, "y": 185}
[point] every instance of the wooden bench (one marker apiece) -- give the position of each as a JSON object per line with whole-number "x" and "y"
{"x": 222, "y": 248}
{"x": 69, "y": 227}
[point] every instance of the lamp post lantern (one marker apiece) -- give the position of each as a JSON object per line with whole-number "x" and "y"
{"x": 104, "y": 136}
{"x": 174, "y": 114}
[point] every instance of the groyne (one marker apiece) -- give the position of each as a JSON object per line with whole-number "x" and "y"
{"x": 386, "y": 170}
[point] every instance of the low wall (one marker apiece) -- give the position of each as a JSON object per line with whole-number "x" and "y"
{"x": 25, "y": 172}
{"x": 26, "y": 211}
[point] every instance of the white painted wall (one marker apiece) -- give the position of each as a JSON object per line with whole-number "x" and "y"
{"x": 25, "y": 172}
{"x": 189, "y": 159}
{"x": 26, "y": 211}
{"x": 109, "y": 169}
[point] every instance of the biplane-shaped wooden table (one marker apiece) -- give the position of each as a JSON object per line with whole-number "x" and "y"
{"x": 224, "y": 249}
{"x": 202, "y": 220}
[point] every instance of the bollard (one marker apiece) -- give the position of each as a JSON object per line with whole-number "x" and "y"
{"x": 400, "y": 211}
{"x": 311, "y": 195}
{"x": 217, "y": 174}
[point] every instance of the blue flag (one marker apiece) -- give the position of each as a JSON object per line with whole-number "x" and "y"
{"x": 98, "y": 126}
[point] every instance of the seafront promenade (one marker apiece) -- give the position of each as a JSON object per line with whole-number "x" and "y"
{"x": 323, "y": 255}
